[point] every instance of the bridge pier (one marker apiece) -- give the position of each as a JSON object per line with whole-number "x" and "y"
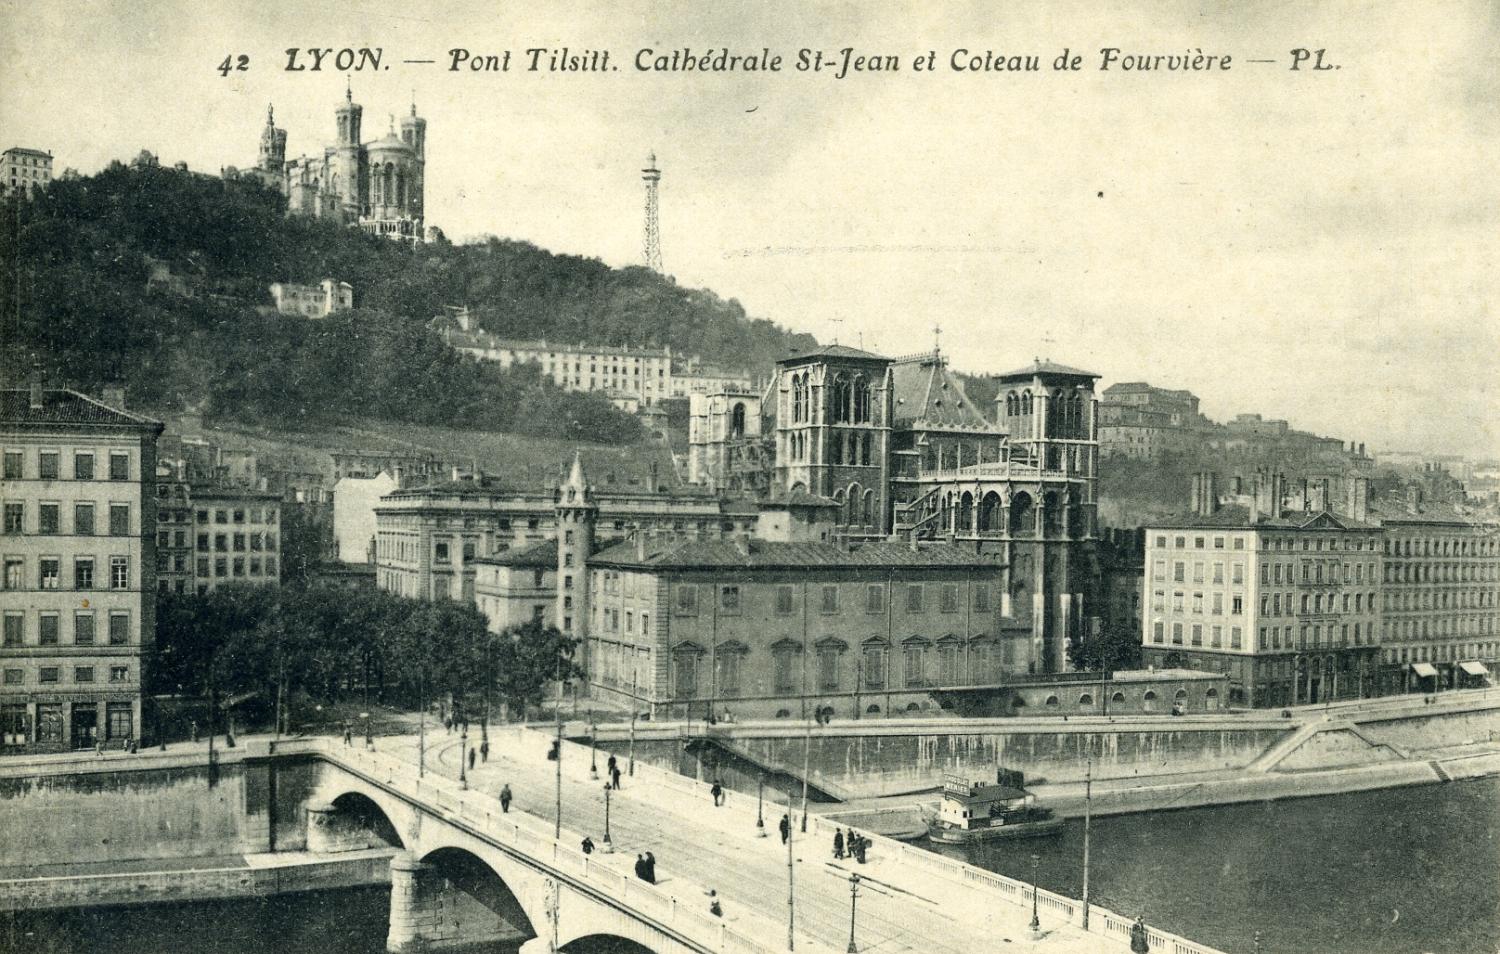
{"x": 429, "y": 912}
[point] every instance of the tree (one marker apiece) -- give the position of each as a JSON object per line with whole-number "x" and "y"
{"x": 528, "y": 657}
{"x": 1113, "y": 648}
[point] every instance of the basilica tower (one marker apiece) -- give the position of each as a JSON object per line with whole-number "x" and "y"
{"x": 345, "y": 182}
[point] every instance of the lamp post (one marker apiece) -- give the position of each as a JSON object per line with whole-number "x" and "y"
{"x": 593, "y": 750}
{"x": 791, "y": 886}
{"x": 463, "y": 756}
{"x": 853, "y": 901}
{"x": 1088, "y": 788}
{"x": 422, "y": 723}
{"x": 608, "y": 847}
{"x": 806, "y": 767}
{"x": 369, "y": 740}
{"x": 632, "y": 745}
{"x": 760, "y": 795}
{"x": 1036, "y": 923}
{"x": 557, "y": 829}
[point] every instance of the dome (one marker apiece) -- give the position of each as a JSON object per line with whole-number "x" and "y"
{"x": 389, "y": 143}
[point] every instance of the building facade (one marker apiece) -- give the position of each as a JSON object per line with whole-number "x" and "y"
{"x": 1440, "y": 626}
{"x": 79, "y": 550}
{"x": 727, "y": 451}
{"x": 770, "y": 629}
{"x": 377, "y": 185}
{"x": 1285, "y": 602}
{"x": 1144, "y": 422}
{"x": 313, "y": 301}
{"x": 236, "y": 537}
{"x": 518, "y": 586}
{"x": 24, "y": 171}
{"x": 644, "y": 373}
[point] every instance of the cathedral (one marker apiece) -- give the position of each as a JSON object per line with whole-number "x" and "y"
{"x": 376, "y": 185}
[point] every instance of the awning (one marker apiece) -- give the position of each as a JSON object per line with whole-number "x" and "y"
{"x": 1424, "y": 670}
{"x": 1474, "y": 668}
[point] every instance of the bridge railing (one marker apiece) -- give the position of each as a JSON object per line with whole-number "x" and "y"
{"x": 533, "y": 838}
{"x": 983, "y": 886}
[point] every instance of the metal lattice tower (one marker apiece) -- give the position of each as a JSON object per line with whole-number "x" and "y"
{"x": 651, "y": 248}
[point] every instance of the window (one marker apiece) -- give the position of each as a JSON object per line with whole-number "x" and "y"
{"x": 47, "y": 520}
{"x": 202, "y": 566}
{"x": 49, "y": 576}
{"x": 119, "y": 466}
{"x": 729, "y": 600}
{"x": 1198, "y": 571}
{"x": 1197, "y": 634}
{"x": 981, "y": 597}
{"x": 221, "y": 516}
{"x": 440, "y": 553}
{"x": 1179, "y": 570}
{"x": 83, "y": 674}
{"x": 1177, "y": 634}
{"x": 83, "y": 629}
{"x": 239, "y": 546}
{"x": 12, "y": 678}
{"x": 119, "y": 573}
{"x": 50, "y": 674}
{"x": 15, "y": 629}
{"x": 221, "y": 542}
{"x": 15, "y": 573}
{"x": 830, "y": 598}
{"x": 784, "y": 671}
{"x": 949, "y": 602}
{"x": 914, "y": 598}
{"x": 47, "y": 634}
{"x": 783, "y": 600}
{"x": 1237, "y": 606}
{"x": 47, "y": 465}
{"x": 1234, "y": 637}
{"x": 687, "y": 600}
{"x": 119, "y": 520}
{"x": 119, "y": 629}
{"x": 874, "y": 667}
{"x": 1237, "y": 573}
{"x": 1158, "y": 632}
{"x": 875, "y": 598}
{"x": 239, "y": 566}
{"x": 12, "y": 465}
{"x": 83, "y": 465}
{"x": 15, "y": 518}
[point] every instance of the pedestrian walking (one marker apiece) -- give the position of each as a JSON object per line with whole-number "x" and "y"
{"x": 134, "y": 745}
{"x": 612, "y": 763}
{"x": 838, "y": 845}
{"x": 614, "y": 775}
{"x": 713, "y": 904}
{"x": 640, "y": 867}
{"x": 448, "y": 726}
{"x": 505, "y": 798}
{"x": 650, "y": 867}
{"x": 588, "y": 845}
{"x": 472, "y": 755}
{"x": 98, "y": 748}
{"x": 859, "y": 848}
{"x": 786, "y": 828}
{"x": 193, "y": 730}
{"x": 718, "y": 793}
{"x": 484, "y": 751}
{"x": 348, "y": 735}
{"x": 1140, "y": 942}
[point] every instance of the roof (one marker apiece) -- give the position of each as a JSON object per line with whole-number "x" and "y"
{"x": 833, "y": 351}
{"x": 389, "y": 141}
{"x": 1237, "y": 517}
{"x": 23, "y": 151}
{"x": 64, "y": 408}
{"x": 483, "y": 339}
{"x": 927, "y": 394}
{"x": 1389, "y": 512}
{"x": 763, "y": 554}
{"x": 1048, "y": 366}
{"x": 542, "y": 554}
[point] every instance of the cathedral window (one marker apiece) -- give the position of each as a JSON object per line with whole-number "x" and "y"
{"x": 840, "y": 399}
{"x": 861, "y": 400}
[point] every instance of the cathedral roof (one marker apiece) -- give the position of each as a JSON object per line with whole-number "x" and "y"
{"x": 389, "y": 141}
{"x": 928, "y": 395}
{"x": 765, "y": 554}
{"x": 833, "y": 351}
{"x": 1038, "y": 366}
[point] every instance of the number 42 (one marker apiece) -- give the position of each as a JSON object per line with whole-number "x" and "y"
{"x": 240, "y": 63}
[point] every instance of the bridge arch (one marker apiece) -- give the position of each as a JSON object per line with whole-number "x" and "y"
{"x": 604, "y": 944}
{"x": 359, "y": 809}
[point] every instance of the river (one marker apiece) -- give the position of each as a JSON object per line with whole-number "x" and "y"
{"x": 1394, "y": 872}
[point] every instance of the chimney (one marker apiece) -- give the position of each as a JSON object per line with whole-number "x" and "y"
{"x": 1359, "y": 498}
{"x": 1361, "y": 448}
{"x": 1197, "y": 494}
{"x": 651, "y": 478}
{"x": 1210, "y": 494}
{"x": 640, "y": 544}
{"x": 1413, "y": 499}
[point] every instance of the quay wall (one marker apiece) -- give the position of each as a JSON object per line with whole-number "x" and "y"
{"x": 151, "y": 805}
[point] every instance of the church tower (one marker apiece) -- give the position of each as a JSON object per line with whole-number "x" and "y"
{"x": 345, "y": 182}
{"x": 833, "y": 433}
{"x": 414, "y": 134}
{"x": 576, "y": 518}
{"x": 272, "y": 144}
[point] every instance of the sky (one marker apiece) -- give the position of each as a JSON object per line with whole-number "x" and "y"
{"x": 1317, "y": 246}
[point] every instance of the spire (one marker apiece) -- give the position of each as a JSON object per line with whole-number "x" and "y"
{"x": 575, "y": 475}
{"x": 271, "y": 114}
{"x": 413, "y": 102}
{"x": 348, "y": 89}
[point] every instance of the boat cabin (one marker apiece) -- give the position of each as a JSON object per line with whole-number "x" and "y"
{"x": 969, "y": 804}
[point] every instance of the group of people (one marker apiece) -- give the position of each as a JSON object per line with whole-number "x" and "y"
{"x": 851, "y": 845}
{"x": 613, "y": 771}
{"x": 645, "y": 867}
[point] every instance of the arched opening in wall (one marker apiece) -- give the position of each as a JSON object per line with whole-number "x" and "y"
{"x": 783, "y": 713}
{"x": 1050, "y": 702}
{"x": 1148, "y": 701}
{"x": 989, "y": 507}
{"x": 825, "y": 713}
{"x": 1211, "y": 699}
{"x": 470, "y": 895}
{"x": 355, "y": 810}
{"x": 913, "y": 707}
{"x": 872, "y": 709}
{"x": 1022, "y": 516}
{"x": 737, "y": 420}
{"x": 1018, "y": 703}
{"x": 861, "y": 399}
{"x": 1052, "y": 515}
{"x": 839, "y": 399}
{"x": 605, "y": 944}
{"x": 869, "y": 509}
{"x": 965, "y": 511}
{"x": 1117, "y": 699}
{"x": 1085, "y": 701}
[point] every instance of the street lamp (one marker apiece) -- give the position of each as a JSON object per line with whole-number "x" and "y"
{"x": 557, "y": 829}
{"x": 593, "y": 751}
{"x": 463, "y": 756}
{"x": 608, "y": 847}
{"x": 760, "y": 819}
{"x": 631, "y": 773}
{"x": 853, "y": 900}
{"x": 1088, "y": 789}
{"x": 422, "y": 723}
{"x": 369, "y": 739}
{"x": 806, "y": 767}
{"x": 1036, "y": 923}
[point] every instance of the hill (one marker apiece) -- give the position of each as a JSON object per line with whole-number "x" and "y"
{"x": 87, "y": 247}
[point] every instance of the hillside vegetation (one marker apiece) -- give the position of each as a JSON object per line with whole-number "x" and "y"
{"x": 84, "y": 244}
